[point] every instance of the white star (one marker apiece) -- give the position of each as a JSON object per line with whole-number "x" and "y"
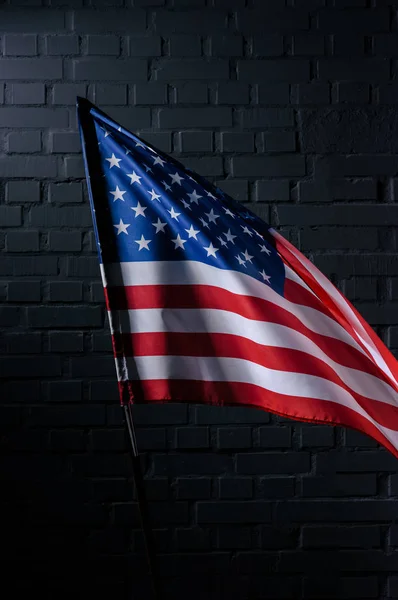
{"x": 186, "y": 205}
{"x": 122, "y": 227}
{"x": 211, "y": 250}
{"x": 113, "y": 161}
{"x": 194, "y": 197}
{"x": 241, "y": 261}
{"x": 247, "y": 256}
{"x": 222, "y": 242}
{"x": 143, "y": 243}
{"x": 178, "y": 242}
{"x": 148, "y": 169}
{"x": 210, "y": 195}
{"x": 134, "y": 178}
{"x": 166, "y": 186}
{"x": 119, "y": 128}
{"x": 263, "y": 248}
{"x": 265, "y": 276}
{"x": 246, "y": 230}
{"x": 192, "y": 232}
{"x": 176, "y": 178}
{"x": 212, "y": 216}
{"x": 229, "y": 236}
{"x": 159, "y": 161}
{"x": 128, "y": 151}
{"x": 228, "y": 212}
{"x": 159, "y": 226}
{"x": 106, "y": 132}
{"x": 173, "y": 214}
{"x": 204, "y": 223}
{"x": 139, "y": 210}
{"x": 154, "y": 195}
{"x": 258, "y": 234}
{"x": 117, "y": 194}
{"x": 140, "y": 144}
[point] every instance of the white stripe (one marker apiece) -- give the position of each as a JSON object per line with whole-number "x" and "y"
{"x": 238, "y": 370}
{"x": 197, "y": 273}
{"x": 204, "y": 320}
{"x": 341, "y": 302}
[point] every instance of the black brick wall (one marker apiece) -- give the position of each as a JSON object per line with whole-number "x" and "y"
{"x": 289, "y": 105}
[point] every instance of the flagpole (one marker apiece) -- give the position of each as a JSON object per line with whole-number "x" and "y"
{"x": 142, "y": 503}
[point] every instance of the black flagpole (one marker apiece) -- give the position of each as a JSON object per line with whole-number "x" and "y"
{"x": 142, "y": 503}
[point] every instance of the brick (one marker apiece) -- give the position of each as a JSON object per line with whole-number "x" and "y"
{"x": 184, "y": 464}
{"x": 109, "y": 20}
{"x": 10, "y": 216}
{"x": 32, "y": 366}
{"x": 172, "y": 69}
{"x": 190, "y": 93}
{"x": 273, "y": 166}
{"x": 314, "y": 436}
{"x": 66, "y": 342}
{"x": 24, "y": 291}
{"x": 160, "y": 415}
{"x": 33, "y": 117}
{"x": 237, "y": 189}
{"x": 65, "y": 291}
{"x": 185, "y": 45}
{"x": 195, "y": 141}
{"x": 32, "y": 20}
{"x": 339, "y": 486}
{"x": 352, "y": 45}
{"x": 193, "y": 488}
{"x": 308, "y": 44}
{"x": 269, "y": 20}
{"x": 232, "y": 538}
{"x": 106, "y": 45}
{"x": 367, "y": 536}
{"x": 150, "y": 93}
{"x": 74, "y": 316}
{"x": 276, "y": 487}
{"x": 335, "y": 511}
{"x": 67, "y": 441}
{"x": 65, "y": 93}
{"x": 237, "y": 142}
{"x": 311, "y": 93}
{"x": 273, "y": 93}
{"x": 195, "y": 117}
{"x": 233, "y": 512}
{"x": 270, "y": 44}
{"x": 145, "y": 46}
{"x": 22, "y": 241}
{"x": 353, "y": 92}
{"x": 216, "y": 415}
{"x": 343, "y": 215}
{"x": 343, "y": 587}
{"x": 65, "y": 142}
{"x": 271, "y": 191}
{"x": 71, "y": 216}
{"x": 9, "y": 316}
{"x": 110, "y": 94}
{"x": 283, "y": 141}
{"x": 20, "y": 45}
{"x": 62, "y": 45}
{"x": 28, "y": 93}
{"x": 192, "y": 437}
{"x": 235, "y": 487}
{"x": 275, "y": 437}
{"x": 110, "y": 69}
{"x": 28, "y": 141}
{"x": 152, "y": 439}
{"x": 283, "y": 69}
{"x": 226, "y": 45}
{"x": 194, "y": 21}
{"x": 267, "y": 117}
{"x": 365, "y": 70}
{"x": 65, "y": 193}
{"x": 232, "y": 92}
{"x": 234, "y": 437}
{"x": 207, "y": 167}
{"x": 358, "y": 439}
{"x": 339, "y": 238}
{"x": 83, "y": 266}
{"x": 366, "y": 21}
{"x": 31, "y": 68}
{"x": 272, "y": 462}
{"x": 193, "y": 539}
{"x": 344, "y": 561}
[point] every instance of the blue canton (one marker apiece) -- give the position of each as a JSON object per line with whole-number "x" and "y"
{"x": 161, "y": 211}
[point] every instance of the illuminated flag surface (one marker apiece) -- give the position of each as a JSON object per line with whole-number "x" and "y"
{"x": 209, "y": 304}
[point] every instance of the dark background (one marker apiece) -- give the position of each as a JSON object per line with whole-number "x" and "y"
{"x": 290, "y": 106}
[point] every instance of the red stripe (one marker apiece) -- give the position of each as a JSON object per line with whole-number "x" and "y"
{"x": 288, "y": 252}
{"x": 232, "y": 394}
{"x": 297, "y": 294}
{"x": 211, "y": 297}
{"x": 231, "y": 346}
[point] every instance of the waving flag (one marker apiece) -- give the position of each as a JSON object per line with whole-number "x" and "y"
{"x": 209, "y": 304}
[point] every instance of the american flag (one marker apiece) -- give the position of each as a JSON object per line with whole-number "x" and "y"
{"x": 209, "y": 304}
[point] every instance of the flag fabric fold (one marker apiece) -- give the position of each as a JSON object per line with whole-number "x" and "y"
{"x": 209, "y": 304}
